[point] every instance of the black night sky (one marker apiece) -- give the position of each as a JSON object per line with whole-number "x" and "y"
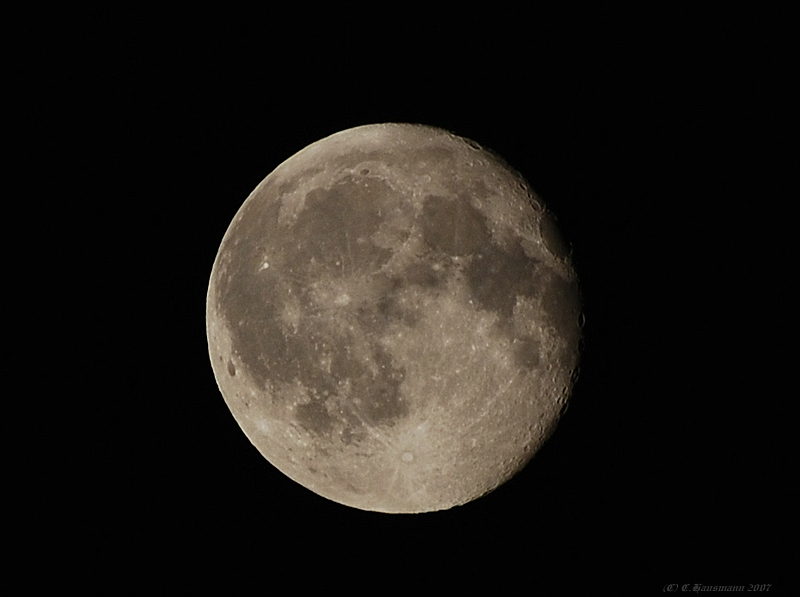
{"x": 660, "y": 142}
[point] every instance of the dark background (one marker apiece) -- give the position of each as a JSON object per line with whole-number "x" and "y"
{"x": 663, "y": 144}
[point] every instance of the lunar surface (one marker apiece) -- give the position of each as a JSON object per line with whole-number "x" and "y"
{"x": 393, "y": 319}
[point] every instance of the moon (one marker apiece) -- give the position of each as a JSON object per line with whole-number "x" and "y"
{"x": 393, "y": 319}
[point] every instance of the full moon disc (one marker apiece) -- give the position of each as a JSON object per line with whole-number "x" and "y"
{"x": 392, "y": 319}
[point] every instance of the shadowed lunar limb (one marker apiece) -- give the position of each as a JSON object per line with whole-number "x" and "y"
{"x": 392, "y": 319}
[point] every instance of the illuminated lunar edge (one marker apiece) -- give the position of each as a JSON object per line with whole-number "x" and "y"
{"x": 392, "y": 319}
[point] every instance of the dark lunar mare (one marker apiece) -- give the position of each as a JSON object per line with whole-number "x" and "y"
{"x": 495, "y": 276}
{"x": 330, "y": 236}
